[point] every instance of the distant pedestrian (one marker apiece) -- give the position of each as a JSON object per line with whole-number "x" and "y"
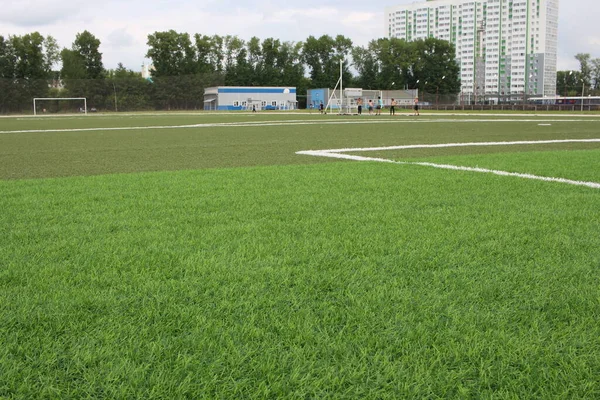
{"x": 417, "y": 106}
{"x": 379, "y": 105}
{"x": 253, "y": 108}
{"x": 321, "y": 108}
{"x": 370, "y": 106}
{"x": 393, "y": 107}
{"x": 359, "y": 103}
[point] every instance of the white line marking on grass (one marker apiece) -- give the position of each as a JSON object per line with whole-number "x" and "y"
{"x": 340, "y": 154}
{"x": 365, "y": 120}
{"x": 234, "y": 114}
{"x": 593, "y": 185}
{"x": 468, "y": 144}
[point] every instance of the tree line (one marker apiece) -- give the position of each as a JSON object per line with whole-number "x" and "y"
{"x": 184, "y": 65}
{"x": 586, "y": 81}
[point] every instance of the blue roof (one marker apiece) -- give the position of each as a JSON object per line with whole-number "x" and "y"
{"x": 254, "y": 90}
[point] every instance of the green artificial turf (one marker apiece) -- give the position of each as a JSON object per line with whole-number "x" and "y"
{"x": 101, "y": 151}
{"x": 581, "y": 165}
{"x": 288, "y": 276}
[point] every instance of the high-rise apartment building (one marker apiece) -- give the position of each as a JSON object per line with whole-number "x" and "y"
{"x": 505, "y": 48}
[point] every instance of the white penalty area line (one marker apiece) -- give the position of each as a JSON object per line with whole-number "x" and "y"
{"x": 340, "y": 154}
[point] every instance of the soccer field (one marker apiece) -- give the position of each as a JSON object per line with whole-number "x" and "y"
{"x": 300, "y": 256}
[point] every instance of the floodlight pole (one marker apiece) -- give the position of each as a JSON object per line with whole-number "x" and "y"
{"x": 566, "y": 88}
{"x": 582, "y": 91}
{"x": 416, "y": 90}
{"x": 115, "y": 91}
{"x": 437, "y": 93}
{"x": 341, "y": 85}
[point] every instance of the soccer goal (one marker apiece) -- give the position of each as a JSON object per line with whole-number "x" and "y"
{"x": 43, "y": 105}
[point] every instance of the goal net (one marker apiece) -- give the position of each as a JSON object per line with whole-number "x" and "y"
{"x": 59, "y": 105}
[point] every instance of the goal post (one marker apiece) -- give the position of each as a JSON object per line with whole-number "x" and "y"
{"x": 36, "y": 100}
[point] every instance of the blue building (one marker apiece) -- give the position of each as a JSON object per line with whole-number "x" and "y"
{"x": 239, "y": 98}
{"x": 348, "y": 99}
{"x": 314, "y": 97}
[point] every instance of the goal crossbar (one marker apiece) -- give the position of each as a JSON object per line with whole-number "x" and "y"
{"x": 60, "y": 98}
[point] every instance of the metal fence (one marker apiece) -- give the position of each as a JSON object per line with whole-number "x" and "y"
{"x": 135, "y": 93}
{"x": 111, "y": 94}
{"x": 469, "y": 102}
{"x": 511, "y": 107}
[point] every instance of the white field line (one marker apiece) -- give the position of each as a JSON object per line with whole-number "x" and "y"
{"x": 249, "y": 114}
{"x": 468, "y": 144}
{"x": 293, "y": 122}
{"x": 340, "y": 153}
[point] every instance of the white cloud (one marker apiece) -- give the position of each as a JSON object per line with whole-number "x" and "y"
{"x": 354, "y": 18}
{"x": 38, "y": 13}
{"x": 301, "y": 15}
{"x": 120, "y": 38}
{"x": 123, "y": 26}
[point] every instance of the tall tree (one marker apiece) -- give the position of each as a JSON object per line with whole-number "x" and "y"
{"x": 396, "y": 59}
{"x": 172, "y": 54}
{"x": 596, "y": 73}
{"x": 289, "y": 62}
{"x": 83, "y": 71}
{"x": 217, "y": 54}
{"x": 87, "y": 47}
{"x": 568, "y": 83}
{"x": 367, "y": 65}
{"x": 323, "y": 55}
{"x": 242, "y": 70}
{"x": 7, "y": 59}
{"x": 392, "y": 63}
{"x": 268, "y": 74}
{"x": 175, "y": 62}
{"x": 436, "y": 64}
{"x": 7, "y": 72}
{"x": 73, "y": 66}
{"x": 29, "y": 58}
{"x": 310, "y": 56}
{"x": 233, "y": 47}
{"x": 254, "y": 59}
{"x": 585, "y": 68}
{"x": 342, "y": 47}
{"x": 209, "y": 53}
{"x": 34, "y": 55}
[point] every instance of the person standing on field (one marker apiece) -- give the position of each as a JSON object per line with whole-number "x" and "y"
{"x": 359, "y": 104}
{"x": 379, "y": 105}
{"x": 393, "y": 107}
{"x": 416, "y": 106}
{"x": 370, "y": 107}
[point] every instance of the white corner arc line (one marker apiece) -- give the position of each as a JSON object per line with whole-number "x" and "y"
{"x": 339, "y": 153}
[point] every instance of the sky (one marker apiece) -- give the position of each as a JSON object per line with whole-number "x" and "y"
{"x": 123, "y": 25}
